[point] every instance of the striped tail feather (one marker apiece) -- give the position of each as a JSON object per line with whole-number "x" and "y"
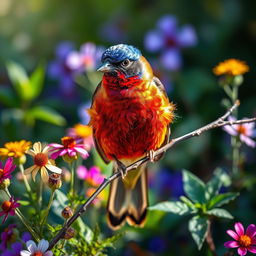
{"x": 128, "y": 199}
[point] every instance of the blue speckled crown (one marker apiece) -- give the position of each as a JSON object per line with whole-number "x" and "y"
{"x": 120, "y": 52}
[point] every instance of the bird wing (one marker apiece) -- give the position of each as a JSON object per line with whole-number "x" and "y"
{"x": 96, "y": 142}
{"x": 159, "y": 84}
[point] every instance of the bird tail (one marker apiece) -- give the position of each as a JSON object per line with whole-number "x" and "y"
{"x": 128, "y": 199}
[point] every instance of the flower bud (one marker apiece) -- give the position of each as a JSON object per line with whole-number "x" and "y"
{"x": 238, "y": 80}
{"x": 65, "y": 175}
{"x": 67, "y": 212}
{"x": 70, "y": 233}
{"x": 20, "y": 160}
{"x": 5, "y": 184}
{"x": 69, "y": 159}
{"x": 54, "y": 181}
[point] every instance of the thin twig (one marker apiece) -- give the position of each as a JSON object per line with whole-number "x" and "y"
{"x": 217, "y": 123}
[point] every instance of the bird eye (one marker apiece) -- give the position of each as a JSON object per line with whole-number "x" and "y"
{"x": 125, "y": 63}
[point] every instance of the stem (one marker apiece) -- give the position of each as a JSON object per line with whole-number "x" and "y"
{"x": 210, "y": 241}
{"x": 72, "y": 183}
{"x": 235, "y": 155}
{"x": 25, "y": 179}
{"x": 40, "y": 195}
{"x": 23, "y": 219}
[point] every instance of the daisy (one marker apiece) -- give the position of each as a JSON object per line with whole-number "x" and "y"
{"x": 42, "y": 162}
{"x": 34, "y": 250}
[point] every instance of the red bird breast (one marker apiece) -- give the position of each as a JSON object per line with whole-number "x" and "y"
{"x": 129, "y": 117}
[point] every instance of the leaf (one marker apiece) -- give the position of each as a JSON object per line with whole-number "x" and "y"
{"x": 19, "y": 79}
{"x": 7, "y": 97}
{"x": 24, "y": 202}
{"x": 198, "y": 227}
{"x": 36, "y": 82}
{"x": 193, "y": 187}
{"x": 45, "y": 114}
{"x": 61, "y": 198}
{"x": 177, "y": 207}
{"x": 218, "y": 212}
{"x": 221, "y": 199}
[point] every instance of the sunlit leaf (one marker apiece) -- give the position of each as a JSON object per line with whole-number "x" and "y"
{"x": 173, "y": 207}
{"x": 221, "y": 199}
{"x": 36, "y": 82}
{"x": 218, "y": 212}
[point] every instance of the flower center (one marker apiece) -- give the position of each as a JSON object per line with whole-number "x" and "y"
{"x": 37, "y": 253}
{"x": 83, "y": 131}
{"x": 68, "y": 142}
{"x": 6, "y": 206}
{"x": 1, "y": 173}
{"x": 245, "y": 241}
{"x": 40, "y": 159}
{"x": 241, "y": 129}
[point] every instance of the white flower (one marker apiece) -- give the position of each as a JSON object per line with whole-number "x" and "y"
{"x": 40, "y": 250}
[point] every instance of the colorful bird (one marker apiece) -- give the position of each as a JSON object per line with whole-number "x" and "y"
{"x": 130, "y": 116}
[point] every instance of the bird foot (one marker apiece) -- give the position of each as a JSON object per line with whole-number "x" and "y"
{"x": 152, "y": 156}
{"x": 122, "y": 168}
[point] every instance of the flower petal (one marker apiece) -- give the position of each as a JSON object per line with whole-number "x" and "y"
{"x": 53, "y": 168}
{"x": 252, "y": 249}
{"x": 84, "y": 154}
{"x": 29, "y": 170}
{"x": 31, "y": 245}
{"x": 82, "y": 172}
{"x": 34, "y": 173}
{"x": 251, "y": 231}
{"x": 43, "y": 245}
{"x": 25, "y": 253}
{"x": 44, "y": 175}
{"x": 8, "y": 164}
{"x": 242, "y": 251}
{"x": 230, "y": 130}
{"x": 48, "y": 253}
{"x": 239, "y": 228}
{"x": 231, "y": 244}
{"x": 37, "y": 147}
{"x": 233, "y": 234}
{"x": 248, "y": 141}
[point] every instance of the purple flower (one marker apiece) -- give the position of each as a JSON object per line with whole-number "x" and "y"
{"x": 87, "y": 59}
{"x": 243, "y": 241}
{"x": 244, "y": 131}
{"x": 5, "y": 171}
{"x": 6, "y": 236}
{"x": 93, "y": 176}
{"x": 168, "y": 40}
{"x": 83, "y": 114}
{"x": 14, "y": 250}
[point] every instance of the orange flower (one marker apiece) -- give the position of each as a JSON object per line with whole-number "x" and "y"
{"x": 15, "y": 149}
{"x": 232, "y": 67}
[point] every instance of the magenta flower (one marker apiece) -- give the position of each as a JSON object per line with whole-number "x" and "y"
{"x": 93, "y": 176}
{"x": 5, "y": 172}
{"x": 243, "y": 241}
{"x": 8, "y": 207}
{"x": 69, "y": 147}
{"x": 244, "y": 131}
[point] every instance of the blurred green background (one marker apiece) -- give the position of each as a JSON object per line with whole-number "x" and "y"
{"x": 31, "y": 30}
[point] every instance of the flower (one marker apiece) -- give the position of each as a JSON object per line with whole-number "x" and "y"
{"x": 93, "y": 176}
{"x": 82, "y": 133}
{"x": 34, "y": 250}
{"x": 83, "y": 114}
{"x": 15, "y": 149}
{"x": 86, "y": 59}
{"x": 69, "y": 148}
{"x": 8, "y": 235}
{"x": 232, "y": 67}
{"x": 244, "y": 131}
{"x": 42, "y": 162}
{"x": 168, "y": 39}
{"x": 8, "y": 207}
{"x": 5, "y": 172}
{"x": 243, "y": 241}
{"x": 100, "y": 197}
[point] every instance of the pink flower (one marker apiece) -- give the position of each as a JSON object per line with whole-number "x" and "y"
{"x": 243, "y": 241}
{"x": 5, "y": 172}
{"x": 8, "y": 207}
{"x": 244, "y": 131}
{"x": 93, "y": 176}
{"x": 69, "y": 147}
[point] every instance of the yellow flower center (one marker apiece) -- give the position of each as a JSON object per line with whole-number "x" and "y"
{"x": 241, "y": 129}
{"x": 37, "y": 253}
{"x": 68, "y": 142}
{"x": 245, "y": 241}
{"x": 83, "y": 131}
{"x": 1, "y": 173}
{"x": 40, "y": 159}
{"x": 6, "y": 206}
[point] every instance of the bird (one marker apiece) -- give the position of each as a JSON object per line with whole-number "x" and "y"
{"x": 130, "y": 116}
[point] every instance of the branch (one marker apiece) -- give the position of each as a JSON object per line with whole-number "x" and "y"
{"x": 217, "y": 123}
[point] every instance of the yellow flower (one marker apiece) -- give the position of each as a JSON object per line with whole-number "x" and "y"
{"x": 81, "y": 131}
{"x": 42, "y": 162}
{"x": 232, "y": 67}
{"x": 15, "y": 149}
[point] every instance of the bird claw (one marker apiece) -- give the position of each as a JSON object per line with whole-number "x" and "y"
{"x": 122, "y": 168}
{"x": 151, "y": 155}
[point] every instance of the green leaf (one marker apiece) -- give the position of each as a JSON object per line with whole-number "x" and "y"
{"x": 198, "y": 227}
{"x": 173, "y": 207}
{"x": 45, "y": 114}
{"x": 7, "y": 97}
{"x": 36, "y": 82}
{"x": 19, "y": 79}
{"x": 218, "y": 212}
{"x": 24, "y": 202}
{"x": 193, "y": 187}
{"x": 61, "y": 198}
{"x": 221, "y": 199}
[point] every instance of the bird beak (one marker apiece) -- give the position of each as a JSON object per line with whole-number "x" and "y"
{"x": 106, "y": 67}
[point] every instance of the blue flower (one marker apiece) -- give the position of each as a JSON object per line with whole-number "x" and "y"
{"x": 168, "y": 40}
{"x": 157, "y": 244}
